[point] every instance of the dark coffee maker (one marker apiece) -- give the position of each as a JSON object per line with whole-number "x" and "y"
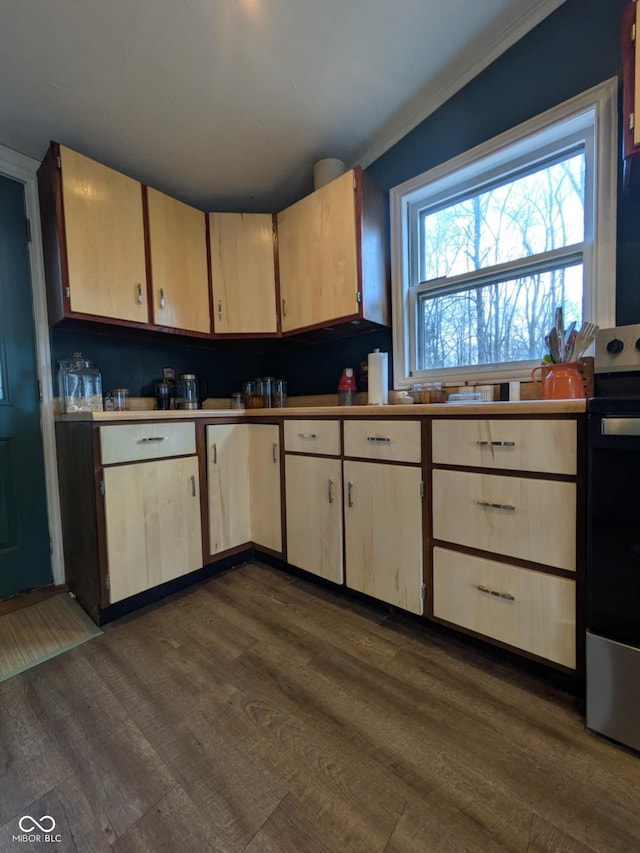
{"x": 163, "y": 396}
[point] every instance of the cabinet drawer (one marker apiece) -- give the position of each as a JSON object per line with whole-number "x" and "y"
{"x": 389, "y": 441}
{"x": 524, "y": 608}
{"x": 133, "y": 442}
{"x": 312, "y": 437}
{"x": 530, "y": 519}
{"x": 518, "y": 445}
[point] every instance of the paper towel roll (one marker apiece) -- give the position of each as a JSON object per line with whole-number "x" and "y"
{"x": 378, "y": 373}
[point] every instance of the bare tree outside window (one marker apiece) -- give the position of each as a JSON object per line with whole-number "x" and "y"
{"x": 494, "y": 266}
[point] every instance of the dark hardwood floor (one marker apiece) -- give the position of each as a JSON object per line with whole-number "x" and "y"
{"x": 262, "y": 713}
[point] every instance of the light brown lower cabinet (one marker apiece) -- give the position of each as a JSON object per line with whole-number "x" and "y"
{"x": 505, "y": 529}
{"x": 383, "y": 532}
{"x": 228, "y": 484}
{"x": 266, "y": 510}
{"x": 243, "y": 473}
{"x": 152, "y": 518}
{"x": 526, "y": 609}
{"x": 314, "y": 515}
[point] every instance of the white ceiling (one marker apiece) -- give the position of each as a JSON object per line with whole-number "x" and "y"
{"x": 227, "y": 104}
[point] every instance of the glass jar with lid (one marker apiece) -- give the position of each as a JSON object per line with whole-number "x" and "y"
{"x": 265, "y": 390}
{"x": 279, "y": 393}
{"x": 79, "y": 385}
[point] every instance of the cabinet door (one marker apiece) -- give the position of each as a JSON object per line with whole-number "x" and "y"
{"x": 178, "y": 253}
{"x": 152, "y": 517}
{"x": 264, "y": 456}
{"x": 383, "y": 532}
{"x": 317, "y": 256}
{"x": 314, "y": 515}
{"x": 243, "y": 279}
{"x": 104, "y": 234}
{"x": 228, "y": 485}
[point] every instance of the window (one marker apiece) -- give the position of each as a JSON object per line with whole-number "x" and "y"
{"x": 486, "y": 246}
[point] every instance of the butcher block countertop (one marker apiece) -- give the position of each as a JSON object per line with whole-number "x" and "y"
{"x": 522, "y": 407}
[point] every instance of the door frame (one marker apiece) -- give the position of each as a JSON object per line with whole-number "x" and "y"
{"x": 23, "y": 169}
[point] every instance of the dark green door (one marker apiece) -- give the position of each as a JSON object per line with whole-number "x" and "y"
{"x": 25, "y": 562}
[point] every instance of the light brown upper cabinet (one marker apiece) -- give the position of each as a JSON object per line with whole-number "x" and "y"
{"x": 93, "y": 238}
{"x": 178, "y": 264}
{"x": 243, "y": 274}
{"x": 332, "y": 258}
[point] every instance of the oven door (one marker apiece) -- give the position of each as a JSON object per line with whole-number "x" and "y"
{"x": 613, "y": 530}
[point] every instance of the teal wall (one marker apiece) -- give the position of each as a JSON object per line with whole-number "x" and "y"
{"x": 573, "y": 49}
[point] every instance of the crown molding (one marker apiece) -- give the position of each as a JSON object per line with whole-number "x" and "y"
{"x": 429, "y": 99}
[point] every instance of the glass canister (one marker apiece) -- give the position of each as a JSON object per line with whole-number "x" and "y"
{"x": 279, "y": 393}
{"x": 265, "y": 390}
{"x": 253, "y": 398}
{"x": 80, "y": 384}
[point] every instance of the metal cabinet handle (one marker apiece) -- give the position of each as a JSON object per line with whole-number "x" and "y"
{"x": 275, "y": 451}
{"x": 496, "y": 443}
{"x": 214, "y": 454}
{"x": 219, "y": 310}
{"x": 150, "y": 438}
{"x": 193, "y": 485}
{"x": 162, "y": 297}
{"x": 307, "y": 435}
{"x": 487, "y": 591}
{"x": 491, "y": 505}
{"x": 139, "y": 291}
{"x": 349, "y": 494}
{"x": 379, "y": 438}
{"x": 330, "y": 491}
{"x": 284, "y": 307}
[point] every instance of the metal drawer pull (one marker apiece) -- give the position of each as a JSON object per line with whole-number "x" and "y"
{"x": 219, "y": 310}
{"x": 139, "y": 289}
{"x": 307, "y": 435}
{"x": 193, "y": 485}
{"x": 496, "y": 443}
{"x": 152, "y": 438}
{"x": 508, "y": 507}
{"x": 379, "y": 438}
{"x": 162, "y": 297}
{"x": 330, "y": 490}
{"x": 284, "y": 307}
{"x": 506, "y": 595}
{"x": 275, "y": 452}
{"x": 214, "y": 454}
{"x": 350, "y": 494}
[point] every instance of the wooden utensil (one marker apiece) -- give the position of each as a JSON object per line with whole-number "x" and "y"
{"x": 584, "y": 338}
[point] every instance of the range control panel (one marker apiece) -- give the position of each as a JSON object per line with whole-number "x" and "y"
{"x": 618, "y": 349}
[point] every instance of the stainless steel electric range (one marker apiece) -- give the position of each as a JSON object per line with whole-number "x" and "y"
{"x": 613, "y": 539}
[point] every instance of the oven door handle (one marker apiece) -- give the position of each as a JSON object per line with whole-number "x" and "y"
{"x": 620, "y": 426}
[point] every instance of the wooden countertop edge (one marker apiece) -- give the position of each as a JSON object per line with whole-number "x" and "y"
{"x": 523, "y": 407}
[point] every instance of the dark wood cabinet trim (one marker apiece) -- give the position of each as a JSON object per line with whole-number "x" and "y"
{"x": 628, "y": 56}
{"x": 515, "y": 649}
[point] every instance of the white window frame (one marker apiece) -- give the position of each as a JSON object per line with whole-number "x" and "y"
{"x": 592, "y": 117}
